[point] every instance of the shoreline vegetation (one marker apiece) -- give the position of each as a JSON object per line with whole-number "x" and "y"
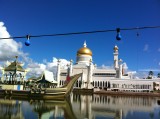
{"x": 123, "y": 93}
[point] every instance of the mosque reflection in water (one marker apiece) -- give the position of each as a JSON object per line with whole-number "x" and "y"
{"x": 82, "y": 107}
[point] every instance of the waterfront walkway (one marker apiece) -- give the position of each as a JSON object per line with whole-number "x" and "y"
{"x": 122, "y": 93}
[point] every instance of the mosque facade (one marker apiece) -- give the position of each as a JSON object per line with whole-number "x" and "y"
{"x": 98, "y": 78}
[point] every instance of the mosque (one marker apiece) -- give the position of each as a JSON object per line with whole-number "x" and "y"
{"x": 97, "y": 78}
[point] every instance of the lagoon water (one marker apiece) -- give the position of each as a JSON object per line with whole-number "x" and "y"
{"x": 82, "y": 107}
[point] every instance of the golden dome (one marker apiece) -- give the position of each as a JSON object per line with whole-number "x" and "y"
{"x": 84, "y": 51}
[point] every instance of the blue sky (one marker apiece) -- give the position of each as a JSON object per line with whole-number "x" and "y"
{"x": 62, "y": 16}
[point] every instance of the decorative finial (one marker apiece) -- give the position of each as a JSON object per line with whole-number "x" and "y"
{"x": 58, "y": 60}
{"x": 85, "y": 45}
{"x": 120, "y": 60}
{"x": 115, "y": 48}
{"x": 16, "y": 57}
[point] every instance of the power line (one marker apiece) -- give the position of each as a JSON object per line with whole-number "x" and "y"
{"x": 85, "y": 32}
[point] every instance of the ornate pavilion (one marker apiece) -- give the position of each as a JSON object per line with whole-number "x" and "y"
{"x": 14, "y": 72}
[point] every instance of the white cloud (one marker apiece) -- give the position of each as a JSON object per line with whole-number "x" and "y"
{"x": 141, "y": 74}
{"x": 8, "y": 47}
{"x": 131, "y": 72}
{"x": 146, "y": 47}
{"x": 36, "y": 69}
{"x": 125, "y": 65}
{"x": 105, "y": 67}
{"x": 147, "y": 70}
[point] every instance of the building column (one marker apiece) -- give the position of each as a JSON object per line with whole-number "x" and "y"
{"x": 71, "y": 67}
{"x": 90, "y": 85}
{"x": 58, "y": 71}
{"x": 24, "y": 75}
{"x": 120, "y": 68}
{"x": 83, "y": 80}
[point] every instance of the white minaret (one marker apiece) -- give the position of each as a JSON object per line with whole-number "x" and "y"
{"x": 58, "y": 71}
{"x": 115, "y": 57}
{"x": 71, "y": 67}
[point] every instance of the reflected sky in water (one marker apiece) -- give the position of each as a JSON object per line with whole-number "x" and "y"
{"x": 82, "y": 107}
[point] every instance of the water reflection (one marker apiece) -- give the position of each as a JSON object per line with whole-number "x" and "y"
{"x": 116, "y": 107}
{"x": 53, "y": 109}
{"x": 82, "y": 107}
{"x": 10, "y": 109}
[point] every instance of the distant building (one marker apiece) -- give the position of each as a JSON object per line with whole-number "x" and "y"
{"x": 46, "y": 80}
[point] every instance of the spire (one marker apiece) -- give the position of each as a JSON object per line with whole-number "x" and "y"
{"x": 16, "y": 57}
{"x": 85, "y": 45}
{"x": 115, "y": 48}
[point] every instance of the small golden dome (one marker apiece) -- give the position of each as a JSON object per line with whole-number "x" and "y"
{"x": 84, "y": 51}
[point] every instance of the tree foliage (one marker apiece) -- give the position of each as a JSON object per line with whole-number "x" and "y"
{"x": 158, "y": 75}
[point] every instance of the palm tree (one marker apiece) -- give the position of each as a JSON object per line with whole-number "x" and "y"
{"x": 158, "y": 75}
{"x": 150, "y": 74}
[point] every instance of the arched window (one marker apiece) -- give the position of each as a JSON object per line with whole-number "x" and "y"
{"x": 60, "y": 82}
{"x": 106, "y": 84}
{"x": 103, "y": 84}
{"x": 77, "y": 83}
{"x": 100, "y": 84}
{"x": 10, "y": 76}
{"x": 95, "y": 83}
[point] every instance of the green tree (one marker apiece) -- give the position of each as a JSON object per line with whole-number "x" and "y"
{"x": 158, "y": 75}
{"x": 150, "y": 74}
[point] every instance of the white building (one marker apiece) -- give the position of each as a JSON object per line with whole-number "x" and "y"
{"x": 93, "y": 77}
